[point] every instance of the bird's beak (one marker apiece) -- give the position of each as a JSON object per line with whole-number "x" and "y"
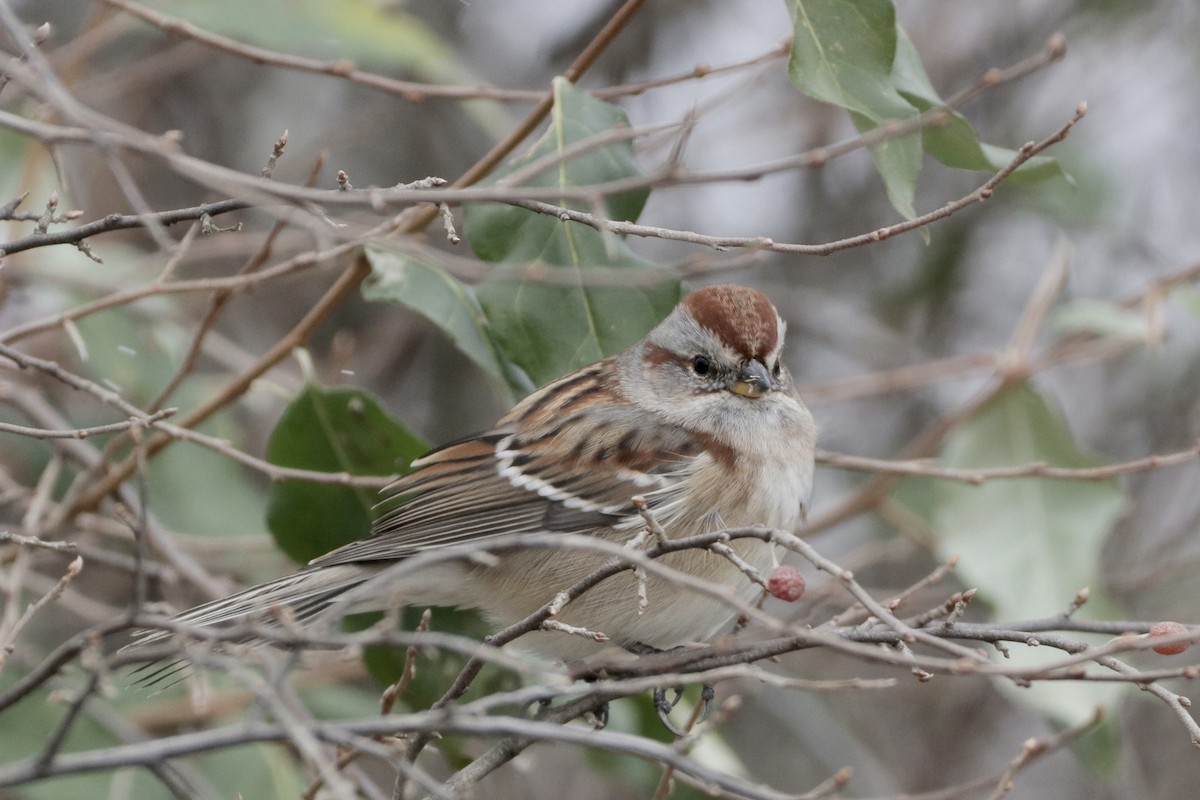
{"x": 752, "y": 380}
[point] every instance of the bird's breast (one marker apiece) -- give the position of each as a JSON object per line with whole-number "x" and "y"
{"x": 761, "y": 488}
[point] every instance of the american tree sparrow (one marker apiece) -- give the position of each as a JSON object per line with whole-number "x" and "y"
{"x": 699, "y": 418}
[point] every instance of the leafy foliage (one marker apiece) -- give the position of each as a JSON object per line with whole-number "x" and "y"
{"x": 1023, "y": 541}
{"x": 451, "y": 305}
{"x": 549, "y": 296}
{"x": 332, "y": 430}
{"x": 853, "y": 54}
{"x": 345, "y": 29}
{"x": 524, "y": 331}
{"x": 843, "y": 52}
{"x": 1027, "y": 544}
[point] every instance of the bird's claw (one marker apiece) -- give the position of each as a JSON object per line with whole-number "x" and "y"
{"x": 598, "y": 719}
{"x": 534, "y": 709}
{"x": 707, "y": 695}
{"x": 664, "y": 706}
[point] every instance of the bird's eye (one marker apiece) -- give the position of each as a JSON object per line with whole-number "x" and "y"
{"x": 701, "y": 365}
{"x": 775, "y": 370}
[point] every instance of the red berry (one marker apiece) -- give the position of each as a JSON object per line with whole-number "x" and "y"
{"x": 1169, "y": 629}
{"x": 786, "y": 583}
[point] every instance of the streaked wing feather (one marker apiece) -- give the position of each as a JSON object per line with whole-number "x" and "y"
{"x": 504, "y": 482}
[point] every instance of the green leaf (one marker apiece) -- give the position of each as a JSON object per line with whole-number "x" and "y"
{"x": 956, "y": 144}
{"x": 1028, "y": 544}
{"x": 524, "y": 329}
{"x": 898, "y": 162}
{"x": 332, "y": 430}
{"x": 584, "y": 310}
{"x": 851, "y": 53}
{"x": 367, "y": 31}
{"x": 452, "y": 306}
{"x": 843, "y": 52}
{"x": 550, "y": 331}
{"x": 1102, "y": 318}
{"x": 498, "y": 232}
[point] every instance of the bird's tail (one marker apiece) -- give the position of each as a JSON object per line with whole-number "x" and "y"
{"x": 303, "y": 596}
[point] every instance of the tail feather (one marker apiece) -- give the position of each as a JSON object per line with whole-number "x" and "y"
{"x": 306, "y": 594}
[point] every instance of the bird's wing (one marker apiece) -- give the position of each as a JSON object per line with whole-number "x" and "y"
{"x": 508, "y": 481}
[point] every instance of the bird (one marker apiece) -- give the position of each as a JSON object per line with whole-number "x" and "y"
{"x": 697, "y": 426}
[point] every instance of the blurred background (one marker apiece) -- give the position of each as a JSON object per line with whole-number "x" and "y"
{"x": 1128, "y": 216}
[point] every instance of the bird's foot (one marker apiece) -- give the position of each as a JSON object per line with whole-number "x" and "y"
{"x": 662, "y": 704}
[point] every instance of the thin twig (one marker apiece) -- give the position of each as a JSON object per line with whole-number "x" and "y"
{"x": 82, "y": 433}
{"x": 1037, "y": 469}
{"x": 984, "y": 192}
{"x": 1033, "y": 749}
